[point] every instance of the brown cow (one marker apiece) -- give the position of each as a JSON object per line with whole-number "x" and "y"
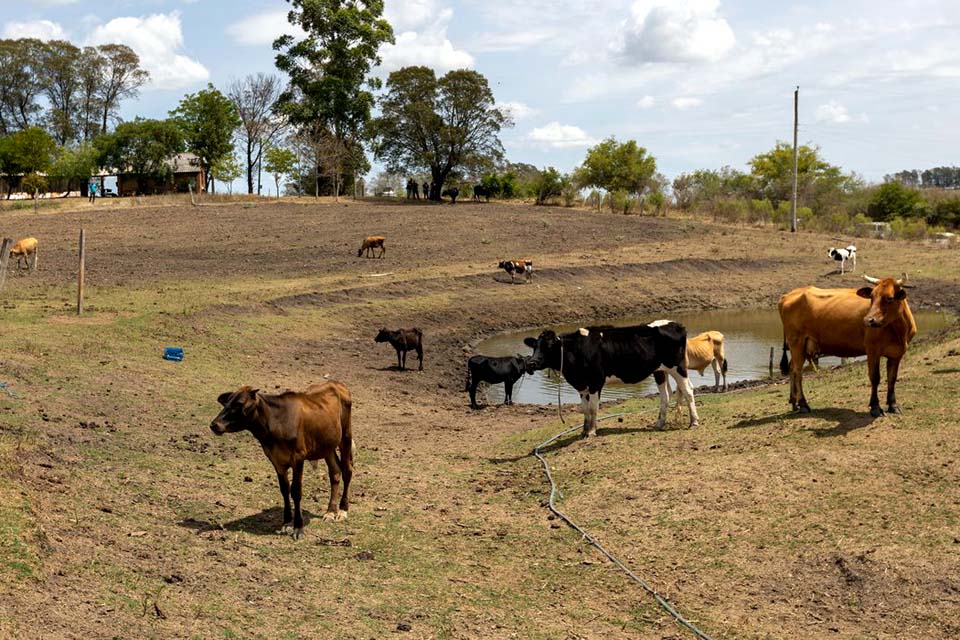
{"x": 403, "y": 340}
{"x": 293, "y": 427}
{"x": 23, "y": 250}
{"x": 875, "y": 321}
{"x": 370, "y": 243}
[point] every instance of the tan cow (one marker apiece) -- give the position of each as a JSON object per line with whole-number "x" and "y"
{"x": 294, "y": 427}
{"x": 23, "y": 250}
{"x": 875, "y": 321}
{"x": 370, "y": 243}
{"x": 707, "y": 349}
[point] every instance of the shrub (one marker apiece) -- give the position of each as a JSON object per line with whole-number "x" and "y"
{"x": 33, "y": 183}
{"x": 548, "y": 185}
{"x": 892, "y": 200}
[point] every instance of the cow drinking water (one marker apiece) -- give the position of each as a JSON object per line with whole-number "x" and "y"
{"x": 294, "y": 427}
{"x": 493, "y": 370}
{"x": 588, "y": 356}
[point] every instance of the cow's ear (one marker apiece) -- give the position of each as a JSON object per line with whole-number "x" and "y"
{"x": 900, "y": 294}
{"x": 223, "y": 398}
{"x": 865, "y": 292}
{"x": 250, "y": 404}
{"x": 530, "y": 342}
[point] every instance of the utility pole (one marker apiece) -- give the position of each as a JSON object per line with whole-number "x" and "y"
{"x": 793, "y": 201}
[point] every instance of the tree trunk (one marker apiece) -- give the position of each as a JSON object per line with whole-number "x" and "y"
{"x": 249, "y": 167}
{"x": 277, "y": 180}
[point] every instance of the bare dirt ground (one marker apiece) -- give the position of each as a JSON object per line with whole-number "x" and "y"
{"x": 121, "y": 515}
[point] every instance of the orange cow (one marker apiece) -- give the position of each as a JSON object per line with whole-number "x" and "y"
{"x": 23, "y": 250}
{"x": 874, "y": 321}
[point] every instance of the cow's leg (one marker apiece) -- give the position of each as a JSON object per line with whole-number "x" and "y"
{"x": 333, "y": 470}
{"x": 873, "y": 371}
{"x": 685, "y": 389}
{"x": 507, "y": 392}
{"x": 400, "y": 359}
{"x": 473, "y": 393}
{"x": 593, "y": 407}
{"x": 346, "y": 467}
{"x": 285, "y": 492}
{"x": 664, "y": 388}
{"x": 420, "y": 357}
{"x": 585, "y": 408}
{"x": 893, "y": 367}
{"x": 296, "y": 491}
{"x": 797, "y": 400}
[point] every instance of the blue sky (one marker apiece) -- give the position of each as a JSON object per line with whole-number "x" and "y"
{"x": 699, "y": 83}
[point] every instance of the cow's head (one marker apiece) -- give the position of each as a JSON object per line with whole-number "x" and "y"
{"x": 887, "y": 297}
{"x": 384, "y": 335}
{"x": 832, "y": 253}
{"x": 239, "y": 410}
{"x": 546, "y": 352}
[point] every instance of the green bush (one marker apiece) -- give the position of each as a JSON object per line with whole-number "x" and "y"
{"x": 33, "y": 183}
{"x": 893, "y": 200}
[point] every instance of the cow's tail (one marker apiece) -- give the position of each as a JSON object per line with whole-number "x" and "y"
{"x": 348, "y": 447}
{"x": 723, "y": 367}
{"x": 785, "y": 360}
{"x": 467, "y": 387}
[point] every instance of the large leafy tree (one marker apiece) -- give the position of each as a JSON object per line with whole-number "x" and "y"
{"x": 208, "y": 120}
{"x": 616, "y": 167}
{"x": 25, "y": 152}
{"x": 255, "y": 99}
{"x": 817, "y": 180}
{"x": 121, "y": 78}
{"x": 60, "y": 77}
{"x": 76, "y": 164}
{"x": 440, "y": 125}
{"x": 329, "y": 69}
{"x": 19, "y": 84}
{"x": 141, "y": 147}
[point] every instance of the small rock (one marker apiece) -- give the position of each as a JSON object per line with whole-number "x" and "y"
{"x": 404, "y": 626}
{"x": 247, "y": 479}
{"x": 364, "y": 555}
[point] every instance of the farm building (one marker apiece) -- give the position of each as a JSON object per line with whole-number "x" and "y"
{"x": 185, "y": 171}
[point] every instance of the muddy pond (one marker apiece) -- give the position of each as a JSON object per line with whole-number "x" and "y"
{"x": 748, "y": 336}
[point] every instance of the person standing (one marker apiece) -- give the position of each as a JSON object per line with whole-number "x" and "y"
{"x": 93, "y": 191}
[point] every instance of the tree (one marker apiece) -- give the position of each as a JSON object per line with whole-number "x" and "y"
{"x": 59, "y": 71}
{"x": 29, "y": 151}
{"x": 773, "y": 171}
{"x": 441, "y": 125}
{"x": 280, "y": 162}
{"x": 549, "y": 185}
{"x": 255, "y": 99}
{"x": 19, "y": 84}
{"x": 328, "y": 71}
{"x": 76, "y": 164}
{"x": 87, "y": 117}
{"x": 141, "y": 147}
{"x": 892, "y": 200}
{"x": 226, "y": 170}
{"x": 618, "y": 167}
{"x": 121, "y": 77}
{"x": 208, "y": 120}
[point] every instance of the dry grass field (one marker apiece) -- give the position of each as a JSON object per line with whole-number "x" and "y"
{"x": 123, "y": 516}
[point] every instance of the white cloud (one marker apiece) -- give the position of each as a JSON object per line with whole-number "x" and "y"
{"x": 158, "y": 40}
{"x": 39, "y": 29}
{"x": 48, "y": 2}
{"x": 426, "y": 43}
{"x": 835, "y": 113}
{"x": 262, "y": 28}
{"x": 686, "y": 102}
{"x": 674, "y": 31}
{"x": 558, "y": 135}
{"x": 511, "y": 40}
{"x": 646, "y": 102}
{"x": 518, "y": 110}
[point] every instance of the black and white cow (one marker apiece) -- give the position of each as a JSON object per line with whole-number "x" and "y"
{"x": 587, "y": 357}
{"x": 842, "y": 255}
{"x": 493, "y": 370}
{"x": 514, "y": 267}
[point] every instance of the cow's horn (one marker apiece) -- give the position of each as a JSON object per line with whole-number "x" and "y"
{"x": 871, "y": 280}
{"x": 902, "y": 282}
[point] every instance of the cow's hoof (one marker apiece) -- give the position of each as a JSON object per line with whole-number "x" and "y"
{"x": 876, "y": 412}
{"x": 804, "y": 408}
{"x": 694, "y": 424}
{"x": 335, "y": 516}
{"x": 894, "y": 408}
{"x": 659, "y": 424}
{"x": 286, "y": 528}
{"x": 298, "y": 533}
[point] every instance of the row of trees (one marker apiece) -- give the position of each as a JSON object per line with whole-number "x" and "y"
{"x": 935, "y": 178}
{"x": 74, "y": 93}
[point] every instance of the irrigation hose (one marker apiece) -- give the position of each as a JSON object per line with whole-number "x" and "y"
{"x": 589, "y": 538}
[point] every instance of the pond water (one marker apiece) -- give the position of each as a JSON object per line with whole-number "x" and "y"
{"x": 748, "y": 336}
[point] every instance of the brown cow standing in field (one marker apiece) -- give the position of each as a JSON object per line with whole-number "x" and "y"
{"x": 294, "y": 427}
{"x": 370, "y": 243}
{"x": 874, "y": 320}
{"x": 403, "y": 340}
{"x": 23, "y": 250}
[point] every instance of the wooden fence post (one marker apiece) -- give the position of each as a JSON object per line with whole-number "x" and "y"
{"x": 83, "y": 255}
{"x": 771, "y": 361}
{"x": 4, "y": 257}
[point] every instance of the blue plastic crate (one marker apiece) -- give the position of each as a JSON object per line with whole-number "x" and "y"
{"x": 173, "y": 353}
